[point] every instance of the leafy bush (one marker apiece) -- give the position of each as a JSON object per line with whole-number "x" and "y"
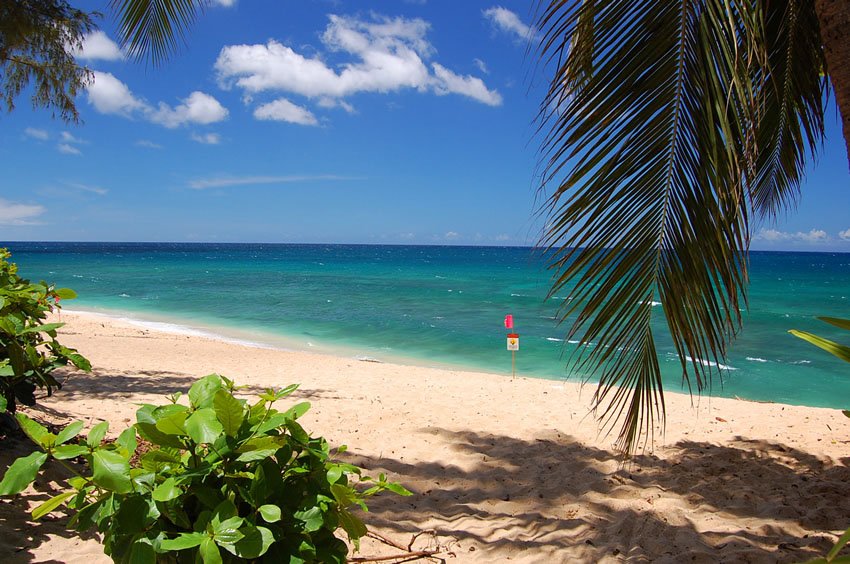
{"x": 27, "y": 358}
{"x": 222, "y": 480}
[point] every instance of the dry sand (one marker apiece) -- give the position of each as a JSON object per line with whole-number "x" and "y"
{"x": 502, "y": 469}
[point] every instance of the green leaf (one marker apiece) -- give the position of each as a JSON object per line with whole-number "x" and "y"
{"x": 69, "y": 432}
{"x": 229, "y": 412}
{"x": 149, "y": 432}
{"x": 227, "y": 532}
{"x": 167, "y": 490}
{"x": 209, "y": 551}
{"x": 45, "y": 328}
{"x": 202, "y": 392}
{"x": 835, "y": 349}
{"x": 255, "y": 542}
{"x": 21, "y": 473}
{"x": 203, "y": 426}
{"x": 65, "y": 452}
{"x": 353, "y": 526}
{"x": 312, "y": 519}
{"x": 127, "y": 440}
{"x": 184, "y": 541}
{"x": 95, "y": 436}
{"x": 269, "y": 513}
{"x": 846, "y": 412}
{"x": 142, "y": 552}
{"x": 111, "y": 471}
{"x": 334, "y": 473}
{"x": 51, "y": 504}
{"x": 398, "y": 489}
{"x": 297, "y": 410}
{"x": 3, "y": 404}
{"x": 65, "y": 293}
{"x": 173, "y": 424}
{"x": 34, "y": 430}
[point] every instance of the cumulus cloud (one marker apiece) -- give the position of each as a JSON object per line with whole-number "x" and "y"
{"x": 224, "y": 3}
{"x": 471, "y": 86}
{"x": 386, "y": 55}
{"x": 508, "y": 22}
{"x": 68, "y": 137}
{"x": 98, "y": 46}
{"x": 844, "y": 235}
{"x": 812, "y": 236}
{"x": 284, "y": 110}
{"x": 197, "y": 108}
{"x": 111, "y": 96}
{"x": 35, "y": 133}
{"x": 451, "y": 235}
{"x": 207, "y": 138}
{"x": 226, "y": 181}
{"x": 12, "y": 213}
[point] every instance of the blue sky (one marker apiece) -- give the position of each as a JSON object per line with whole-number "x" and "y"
{"x": 319, "y": 121}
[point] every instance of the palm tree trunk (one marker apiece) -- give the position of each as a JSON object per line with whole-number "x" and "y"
{"x": 834, "y": 18}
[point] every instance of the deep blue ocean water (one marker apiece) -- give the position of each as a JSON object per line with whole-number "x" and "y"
{"x": 438, "y": 306}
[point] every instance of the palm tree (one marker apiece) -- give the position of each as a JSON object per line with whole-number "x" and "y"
{"x": 668, "y": 126}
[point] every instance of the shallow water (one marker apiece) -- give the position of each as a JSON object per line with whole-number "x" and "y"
{"x": 441, "y": 306}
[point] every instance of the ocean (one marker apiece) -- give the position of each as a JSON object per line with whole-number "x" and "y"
{"x": 436, "y": 306}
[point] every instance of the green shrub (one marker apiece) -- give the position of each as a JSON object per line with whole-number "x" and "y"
{"x": 219, "y": 480}
{"x": 27, "y": 357}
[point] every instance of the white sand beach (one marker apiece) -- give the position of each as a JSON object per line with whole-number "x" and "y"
{"x": 501, "y": 469}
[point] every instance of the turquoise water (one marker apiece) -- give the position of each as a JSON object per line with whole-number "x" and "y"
{"x": 440, "y": 306}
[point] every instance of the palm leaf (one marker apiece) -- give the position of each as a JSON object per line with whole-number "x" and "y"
{"x": 649, "y": 152}
{"x": 154, "y": 29}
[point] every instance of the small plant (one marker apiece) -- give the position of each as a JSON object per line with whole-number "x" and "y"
{"x": 842, "y": 352}
{"x": 223, "y": 480}
{"x": 27, "y": 357}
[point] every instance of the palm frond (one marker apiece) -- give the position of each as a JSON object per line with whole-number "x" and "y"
{"x": 649, "y": 146}
{"x": 791, "y": 117}
{"x": 154, "y": 29}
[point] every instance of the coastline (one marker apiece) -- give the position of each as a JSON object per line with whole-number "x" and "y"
{"x": 501, "y": 468}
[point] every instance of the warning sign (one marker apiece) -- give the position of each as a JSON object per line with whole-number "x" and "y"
{"x": 513, "y": 342}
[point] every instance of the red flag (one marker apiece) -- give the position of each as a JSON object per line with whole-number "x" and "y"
{"x": 509, "y": 321}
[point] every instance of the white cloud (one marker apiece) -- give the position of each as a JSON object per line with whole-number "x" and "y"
{"x": 451, "y": 235}
{"x": 97, "y": 45}
{"x": 109, "y": 95}
{"x": 67, "y": 149}
{"x": 326, "y": 102}
{"x": 148, "y": 144}
{"x": 812, "y": 236}
{"x": 35, "y": 133}
{"x": 225, "y": 181}
{"x": 449, "y": 82}
{"x": 12, "y": 213}
{"x": 67, "y": 137}
{"x": 197, "y": 108}
{"x": 844, "y": 235}
{"x": 509, "y": 22}
{"x": 502, "y": 237}
{"x": 87, "y": 188}
{"x": 224, "y": 3}
{"x": 207, "y": 138}
{"x": 482, "y": 66}
{"x": 387, "y": 55}
{"x": 284, "y": 110}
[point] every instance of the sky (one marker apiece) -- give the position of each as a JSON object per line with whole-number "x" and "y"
{"x": 317, "y": 121}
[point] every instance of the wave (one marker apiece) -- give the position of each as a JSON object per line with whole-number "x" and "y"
{"x": 122, "y": 295}
{"x": 756, "y": 359}
{"x": 710, "y": 363}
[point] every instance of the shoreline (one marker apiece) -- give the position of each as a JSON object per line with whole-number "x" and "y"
{"x": 500, "y": 468}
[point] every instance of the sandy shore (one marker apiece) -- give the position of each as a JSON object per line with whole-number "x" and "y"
{"x": 502, "y": 469}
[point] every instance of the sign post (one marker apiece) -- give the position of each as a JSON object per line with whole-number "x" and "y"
{"x": 513, "y": 343}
